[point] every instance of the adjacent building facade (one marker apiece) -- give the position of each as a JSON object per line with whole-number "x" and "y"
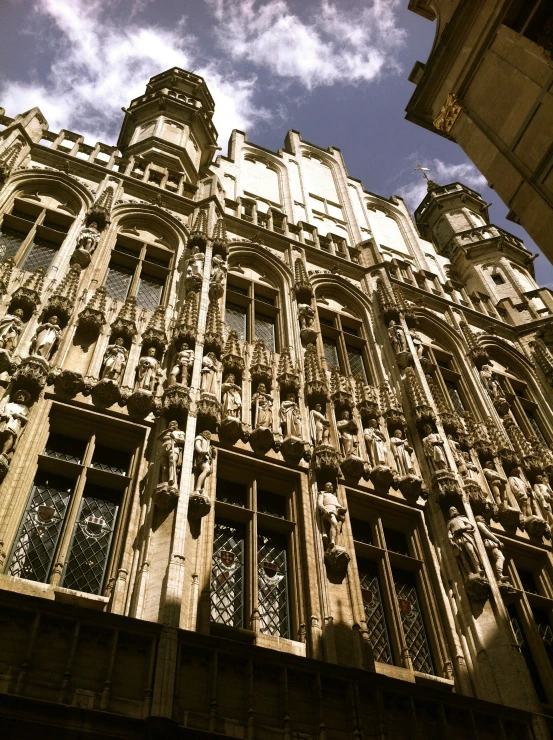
{"x": 487, "y": 86}
{"x": 275, "y": 459}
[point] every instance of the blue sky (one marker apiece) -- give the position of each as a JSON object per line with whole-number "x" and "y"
{"x": 335, "y": 70}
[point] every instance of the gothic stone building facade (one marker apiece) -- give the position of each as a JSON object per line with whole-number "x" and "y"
{"x": 275, "y": 459}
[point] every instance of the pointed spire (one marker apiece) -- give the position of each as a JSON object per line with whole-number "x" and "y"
{"x": 187, "y": 321}
{"x": 213, "y": 339}
{"x": 302, "y": 285}
{"x": 316, "y": 387}
{"x": 479, "y": 437}
{"x": 450, "y": 420}
{"x": 417, "y": 397}
{"x": 522, "y": 446}
{"x": 27, "y": 296}
{"x": 543, "y": 358}
{"x": 367, "y": 399}
{"x": 288, "y": 376}
{"x": 93, "y": 315}
{"x": 198, "y": 232}
{"x": 231, "y": 357}
{"x": 100, "y": 211}
{"x": 501, "y": 443}
{"x": 387, "y": 301}
{"x": 476, "y": 353}
{"x": 62, "y": 301}
{"x": 6, "y": 269}
{"x": 219, "y": 238}
{"x": 391, "y": 407}
{"x": 125, "y": 323}
{"x": 261, "y": 364}
{"x": 340, "y": 390}
{"x": 8, "y": 158}
{"x": 154, "y": 335}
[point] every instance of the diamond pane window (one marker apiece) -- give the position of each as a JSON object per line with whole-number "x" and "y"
{"x": 40, "y": 530}
{"x": 65, "y": 448}
{"x": 41, "y": 254}
{"x": 374, "y": 612}
{"x": 535, "y": 426}
{"x": 10, "y": 241}
{"x": 356, "y": 364}
{"x": 455, "y": 397}
{"x": 412, "y": 622}
{"x": 150, "y": 290}
{"x": 235, "y": 318}
{"x": 265, "y": 330}
{"x": 227, "y": 576}
{"x": 272, "y": 586}
{"x": 89, "y": 549}
{"x": 118, "y": 281}
{"x": 331, "y": 353}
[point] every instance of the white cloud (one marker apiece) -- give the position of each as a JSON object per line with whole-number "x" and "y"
{"x": 100, "y": 66}
{"x": 339, "y": 43}
{"x": 414, "y": 187}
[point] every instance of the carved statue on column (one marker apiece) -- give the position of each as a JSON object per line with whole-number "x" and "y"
{"x": 493, "y": 547}
{"x": 417, "y": 341}
{"x": 402, "y": 452}
{"x": 115, "y": 360}
{"x": 376, "y": 444}
{"x": 148, "y": 372}
{"x": 460, "y": 532}
{"x": 290, "y": 417}
{"x": 88, "y": 238}
{"x": 205, "y": 454}
{"x": 544, "y": 498}
{"x": 319, "y": 426}
{"x": 231, "y": 398}
{"x": 490, "y": 383}
{"x": 397, "y": 337}
{"x": 172, "y": 443}
{"x": 218, "y": 270}
{"x": 333, "y": 515}
{"x": 11, "y": 326}
{"x": 522, "y": 492}
{"x": 262, "y": 408}
{"x": 306, "y": 315}
{"x": 433, "y": 446}
{"x": 208, "y": 383}
{"x": 13, "y": 418}
{"x": 497, "y": 484}
{"x": 196, "y": 260}
{"x": 45, "y": 339}
{"x": 347, "y": 430}
{"x": 182, "y": 363}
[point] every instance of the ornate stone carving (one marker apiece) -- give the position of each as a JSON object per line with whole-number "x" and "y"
{"x": 449, "y": 114}
{"x": 172, "y": 442}
{"x": 198, "y": 233}
{"x": 218, "y": 277}
{"x": 367, "y": 400}
{"x": 494, "y": 548}
{"x": 204, "y": 454}
{"x": 8, "y": 159}
{"x": 93, "y": 315}
{"x": 451, "y": 422}
{"x": 187, "y": 321}
{"x": 11, "y": 326}
{"x": 433, "y": 446}
{"x": 46, "y": 338}
{"x": 476, "y": 353}
{"x": 319, "y": 426}
{"x": 479, "y": 437}
{"x": 27, "y": 296}
{"x": 290, "y": 418}
{"x": 209, "y": 410}
{"x": 154, "y": 335}
{"x": 213, "y": 338}
{"x": 399, "y": 344}
{"x": 461, "y": 536}
{"x": 316, "y": 388}
{"x": 141, "y": 402}
{"x": 87, "y": 241}
{"x": 388, "y": 303}
{"x": 195, "y": 269}
{"x": 288, "y": 377}
{"x": 446, "y": 488}
{"x": 231, "y": 426}
{"x": 333, "y": 515}
{"x": 106, "y": 391}
{"x": 219, "y": 239}
{"x": 6, "y": 269}
{"x": 302, "y": 285}
{"x": 208, "y": 382}
{"x": 543, "y": 358}
{"x": 232, "y": 358}
{"x": 418, "y": 399}
{"x": 115, "y": 361}
{"x": 182, "y": 365}
{"x": 340, "y": 391}
{"x": 99, "y": 212}
{"x": 31, "y": 374}
{"x": 148, "y": 372}
{"x": 261, "y": 364}
{"x": 543, "y": 498}
{"x": 175, "y": 399}
{"x": 70, "y": 382}
{"x": 125, "y": 322}
{"x": 326, "y": 461}
{"x": 306, "y": 314}
{"x": 14, "y": 413}
{"x": 495, "y": 391}
{"x": 392, "y": 408}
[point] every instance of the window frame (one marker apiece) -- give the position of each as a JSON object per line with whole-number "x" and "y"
{"x": 256, "y": 299}
{"x": 344, "y": 339}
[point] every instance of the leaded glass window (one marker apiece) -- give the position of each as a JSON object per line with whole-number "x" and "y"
{"x": 374, "y": 612}
{"x": 10, "y": 241}
{"x": 91, "y": 540}
{"x": 227, "y": 576}
{"x": 41, "y": 254}
{"x": 356, "y": 364}
{"x": 455, "y": 397}
{"x": 265, "y": 330}
{"x": 118, "y": 281}
{"x": 272, "y": 585}
{"x": 535, "y": 426}
{"x": 235, "y": 319}
{"x": 150, "y": 290}
{"x": 412, "y": 621}
{"x": 524, "y": 648}
{"x": 331, "y": 353}
{"x": 40, "y": 530}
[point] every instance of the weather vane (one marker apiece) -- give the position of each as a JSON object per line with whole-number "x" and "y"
{"x": 423, "y": 171}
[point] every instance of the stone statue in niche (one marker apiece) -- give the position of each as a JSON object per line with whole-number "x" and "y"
{"x": 333, "y": 515}
{"x": 460, "y": 532}
{"x": 319, "y": 426}
{"x": 493, "y": 547}
{"x": 490, "y": 383}
{"x": 148, "y": 372}
{"x": 417, "y": 341}
{"x": 521, "y": 490}
{"x": 347, "y": 431}
{"x": 196, "y": 260}
{"x": 497, "y": 484}
{"x": 184, "y": 359}
{"x": 544, "y": 498}
{"x": 115, "y": 361}
{"x": 46, "y": 337}
{"x": 290, "y": 417}
{"x": 208, "y": 383}
{"x": 306, "y": 315}
{"x": 205, "y": 454}
{"x": 13, "y": 417}
{"x": 88, "y": 238}
{"x": 218, "y": 270}
{"x": 433, "y": 446}
{"x": 402, "y": 452}
{"x": 11, "y": 326}
{"x": 376, "y": 444}
{"x": 262, "y": 408}
{"x": 397, "y": 337}
{"x": 460, "y": 459}
{"x": 172, "y": 443}
{"x": 231, "y": 398}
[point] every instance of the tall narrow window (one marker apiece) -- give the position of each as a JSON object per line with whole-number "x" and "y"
{"x": 227, "y": 575}
{"x": 265, "y": 330}
{"x": 118, "y": 281}
{"x": 252, "y": 311}
{"x": 235, "y": 318}
{"x": 272, "y": 585}
{"x": 356, "y": 364}
{"x": 343, "y": 340}
{"x": 412, "y": 621}
{"x": 331, "y": 353}
{"x": 374, "y": 611}
{"x": 150, "y": 290}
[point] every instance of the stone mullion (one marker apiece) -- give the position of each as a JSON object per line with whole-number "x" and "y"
{"x": 23, "y": 250}
{"x": 395, "y": 627}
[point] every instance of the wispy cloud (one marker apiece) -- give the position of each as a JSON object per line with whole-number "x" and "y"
{"x": 335, "y": 43}
{"x": 413, "y": 187}
{"x": 100, "y": 65}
